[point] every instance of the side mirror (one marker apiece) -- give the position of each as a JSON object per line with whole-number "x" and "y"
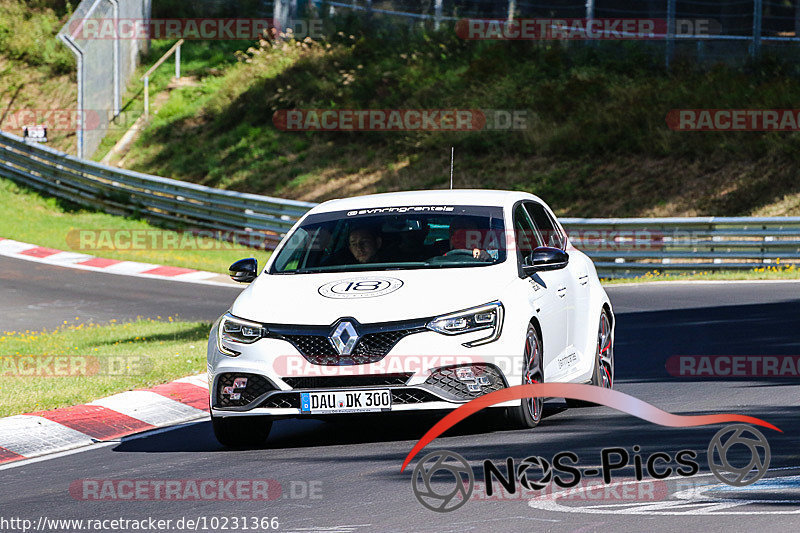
{"x": 244, "y": 270}
{"x": 545, "y": 258}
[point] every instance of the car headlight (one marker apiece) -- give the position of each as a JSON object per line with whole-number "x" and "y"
{"x": 233, "y": 329}
{"x": 488, "y": 317}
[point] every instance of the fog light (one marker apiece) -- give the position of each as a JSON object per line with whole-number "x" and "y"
{"x": 482, "y": 380}
{"x": 234, "y": 392}
{"x": 465, "y": 374}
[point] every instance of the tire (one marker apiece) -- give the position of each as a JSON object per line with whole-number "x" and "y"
{"x": 528, "y": 414}
{"x": 241, "y": 431}
{"x": 603, "y": 375}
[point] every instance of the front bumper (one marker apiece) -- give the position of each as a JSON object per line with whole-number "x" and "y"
{"x": 277, "y": 373}
{"x": 441, "y": 390}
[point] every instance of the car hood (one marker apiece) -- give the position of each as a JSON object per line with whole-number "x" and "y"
{"x": 323, "y": 298}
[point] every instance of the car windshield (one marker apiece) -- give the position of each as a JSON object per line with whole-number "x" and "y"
{"x": 392, "y": 238}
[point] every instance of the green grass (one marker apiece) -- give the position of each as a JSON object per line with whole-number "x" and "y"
{"x": 597, "y": 142}
{"x": 28, "y": 217}
{"x": 790, "y": 272}
{"x": 37, "y": 72}
{"x": 202, "y": 63}
{"x": 130, "y": 355}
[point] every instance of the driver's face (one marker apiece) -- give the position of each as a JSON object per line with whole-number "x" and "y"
{"x": 363, "y": 245}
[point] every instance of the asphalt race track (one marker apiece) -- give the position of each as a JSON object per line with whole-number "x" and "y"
{"x": 36, "y": 296}
{"x": 344, "y": 475}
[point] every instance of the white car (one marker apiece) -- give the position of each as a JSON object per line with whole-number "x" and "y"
{"x": 405, "y": 302}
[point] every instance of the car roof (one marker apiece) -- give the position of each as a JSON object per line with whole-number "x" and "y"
{"x": 481, "y": 197}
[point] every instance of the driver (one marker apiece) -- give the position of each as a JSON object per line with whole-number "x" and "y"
{"x": 465, "y": 234}
{"x": 364, "y": 244}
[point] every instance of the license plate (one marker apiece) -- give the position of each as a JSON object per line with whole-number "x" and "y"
{"x": 352, "y": 401}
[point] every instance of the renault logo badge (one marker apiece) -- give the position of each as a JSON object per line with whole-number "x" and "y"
{"x": 344, "y": 338}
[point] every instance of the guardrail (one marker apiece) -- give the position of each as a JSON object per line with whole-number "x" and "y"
{"x": 124, "y": 192}
{"x": 620, "y": 247}
{"x": 624, "y": 247}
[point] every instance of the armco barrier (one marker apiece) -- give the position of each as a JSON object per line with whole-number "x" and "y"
{"x": 619, "y": 246}
{"x": 125, "y": 192}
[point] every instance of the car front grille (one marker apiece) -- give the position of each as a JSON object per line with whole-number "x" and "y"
{"x": 312, "y": 346}
{"x": 331, "y": 382}
{"x": 370, "y": 348}
{"x": 379, "y": 344}
{"x": 445, "y": 381}
{"x": 412, "y": 396}
{"x": 256, "y": 386}
{"x": 282, "y": 400}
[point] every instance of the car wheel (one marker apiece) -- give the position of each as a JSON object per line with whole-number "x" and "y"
{"x": 529, "y": 412}
{"x": 603, "y": 375}
{"x": 241, "y": 431}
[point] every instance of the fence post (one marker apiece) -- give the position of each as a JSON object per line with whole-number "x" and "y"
{"x": 797, "y": 19}
{"x": 670, "y": 32}
{"x": 146, "y": 96}
{"x": 178, "y": 62}
{"x": 512, "y": 7}
{"x": 280, "y": 14}
{"x": 437, "y": 20}
{"x": 755, "y": 49}
{"x": 79, "y": 122}
{"x": 116, "y": 104}
{"x": 589, "y": 10}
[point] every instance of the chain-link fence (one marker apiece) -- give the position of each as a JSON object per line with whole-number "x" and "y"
{"x": 104, "y": 62}
{"x": 706, "y": 30}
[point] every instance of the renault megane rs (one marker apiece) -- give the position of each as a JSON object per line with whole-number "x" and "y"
{"x": 408, "y": 301}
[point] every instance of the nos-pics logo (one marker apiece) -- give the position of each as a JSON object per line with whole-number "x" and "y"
{"x": 443, "y": 481}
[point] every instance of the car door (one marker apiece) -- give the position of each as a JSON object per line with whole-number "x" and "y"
{"x": 547, "y": 291}
{"x": 569, "y": 289}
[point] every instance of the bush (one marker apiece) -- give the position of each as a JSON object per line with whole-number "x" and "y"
{"x": 28, "y": 34}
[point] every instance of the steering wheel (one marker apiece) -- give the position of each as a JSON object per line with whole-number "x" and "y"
{"x": 458, "y": 252}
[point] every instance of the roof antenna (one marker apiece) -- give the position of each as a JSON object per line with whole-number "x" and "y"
{"x": 452, "y": 153}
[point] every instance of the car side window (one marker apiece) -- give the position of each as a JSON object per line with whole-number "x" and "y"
{"x": 524, "y": 233}
{"x": 545, "y": 225}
